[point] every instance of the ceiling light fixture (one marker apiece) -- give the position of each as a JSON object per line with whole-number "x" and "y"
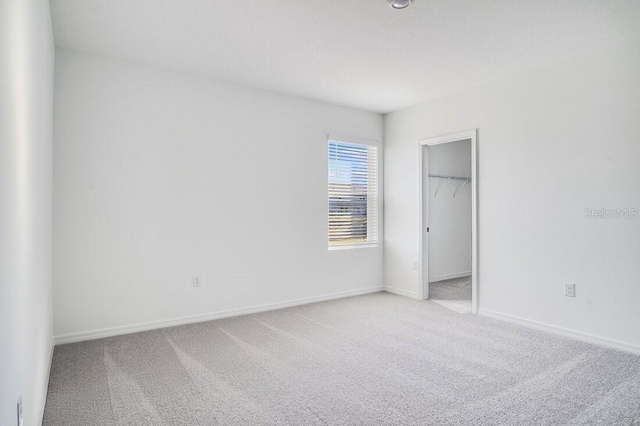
{"x": 399, "y": 4}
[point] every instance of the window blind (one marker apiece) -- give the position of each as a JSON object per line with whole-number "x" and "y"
{"x": 353, "y": 194}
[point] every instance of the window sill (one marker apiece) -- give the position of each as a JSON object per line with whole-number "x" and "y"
{"x": 353, "y": 246}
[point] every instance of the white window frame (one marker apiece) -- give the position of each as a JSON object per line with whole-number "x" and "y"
{"x": 378, "y": 198}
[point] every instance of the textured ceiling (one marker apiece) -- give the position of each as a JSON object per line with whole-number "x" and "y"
{"x": 358, "y": 53}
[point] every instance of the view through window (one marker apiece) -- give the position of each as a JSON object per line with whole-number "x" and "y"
{"x": 353, "y": 194}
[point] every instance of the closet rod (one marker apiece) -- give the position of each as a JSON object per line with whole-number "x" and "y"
{"x": 450, "y": 177}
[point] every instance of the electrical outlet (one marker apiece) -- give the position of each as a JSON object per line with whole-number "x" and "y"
{"x": 416, "y": 265}
{"x": 20, "y": 419}
{"x": 570, "y": 289}
{"x": 196, "y": 281}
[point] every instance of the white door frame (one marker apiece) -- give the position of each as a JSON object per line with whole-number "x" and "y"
{"x": 423, "y": 267}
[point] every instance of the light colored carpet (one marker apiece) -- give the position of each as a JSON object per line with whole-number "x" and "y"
{"x": 378, "y": 359}
{"x": 454, "y": 294}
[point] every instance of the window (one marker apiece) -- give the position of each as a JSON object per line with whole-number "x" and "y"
{"x": 353, "y": 195}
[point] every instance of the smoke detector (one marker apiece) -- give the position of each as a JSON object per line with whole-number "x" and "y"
{"x": 399, "y": 4}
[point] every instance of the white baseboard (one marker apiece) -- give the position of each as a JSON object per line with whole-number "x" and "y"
{"x": 450, "y": 276}
{"x": 602, "y": 341}
{"x": 135, "y": 328}
{"x": 401, "y": 292}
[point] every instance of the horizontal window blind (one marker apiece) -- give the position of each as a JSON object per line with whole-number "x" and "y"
{"x": 353, "y": 194}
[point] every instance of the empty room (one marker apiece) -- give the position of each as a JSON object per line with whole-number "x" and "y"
{"x": 285, "y": 212}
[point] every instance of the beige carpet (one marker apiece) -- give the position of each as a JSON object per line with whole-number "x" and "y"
{"x": 378, "y": 359}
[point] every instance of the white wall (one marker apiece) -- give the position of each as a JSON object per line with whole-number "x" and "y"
{"x": 449, "y": 220}
{"x": 160, "y": 176}
{"x": 26, "y": 101}
{"x": 552, "y": 142}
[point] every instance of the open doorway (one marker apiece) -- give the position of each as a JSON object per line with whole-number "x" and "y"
{"x": 448, "y": 218}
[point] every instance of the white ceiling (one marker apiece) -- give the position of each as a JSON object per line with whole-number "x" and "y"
{"x": 358, "y": 53}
